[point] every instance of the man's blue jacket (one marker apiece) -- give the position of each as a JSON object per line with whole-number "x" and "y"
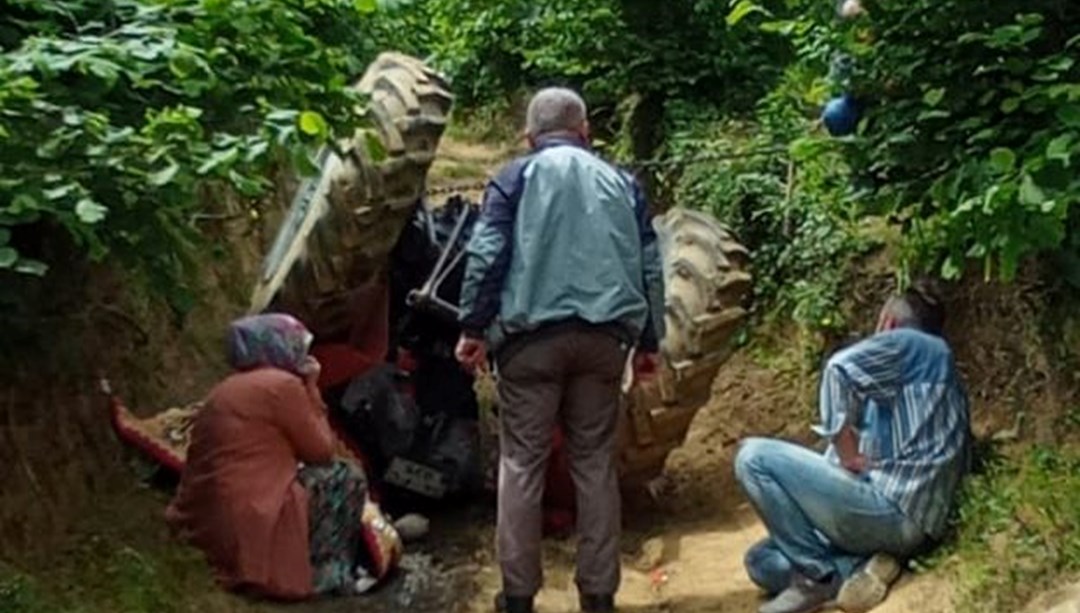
{"x": 563, "y": 236}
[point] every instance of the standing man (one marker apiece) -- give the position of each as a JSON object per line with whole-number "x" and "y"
{"x": 563, "y": 281}
{"x": 896, "y": 417}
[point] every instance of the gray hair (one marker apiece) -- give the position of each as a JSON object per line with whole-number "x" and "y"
{"x": 555, "y": 109}
{"x": 918, "y": 308}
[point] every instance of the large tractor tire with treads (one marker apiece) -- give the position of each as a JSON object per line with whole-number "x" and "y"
{"x": 337, "y": 237}
{"x": 707, "y": 286}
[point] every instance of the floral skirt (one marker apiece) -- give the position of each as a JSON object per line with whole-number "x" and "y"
{"x": 336, "y": 495}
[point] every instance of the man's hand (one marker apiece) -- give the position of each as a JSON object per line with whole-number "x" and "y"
{"x": 856, "y": 464}
{"x": 847, "y": 447}
{"x": 646, "y": 365}
{"x": 471, "y": 353}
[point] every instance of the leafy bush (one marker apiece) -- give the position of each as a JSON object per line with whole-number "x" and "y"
{"x": 974, "y": 125}
{"x": 786, "y": 194}
{"x": 972, "y": 122}
{"x": 609, "y": 48}
{"x": 116, "y": 116}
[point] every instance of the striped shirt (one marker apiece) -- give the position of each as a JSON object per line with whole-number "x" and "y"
{"x": 900, "y": 391}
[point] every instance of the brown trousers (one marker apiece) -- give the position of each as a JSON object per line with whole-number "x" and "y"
{"x": 571, "y": 375}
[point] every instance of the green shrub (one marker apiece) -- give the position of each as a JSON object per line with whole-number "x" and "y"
{"x": 608, "y": 48}
{"x": 787, "y": 197}
{"x": 972, "y": 122}
{"x": 973, "y": 127}
{"x": 116, "y": 116}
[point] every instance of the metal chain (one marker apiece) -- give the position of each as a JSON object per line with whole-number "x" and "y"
{"x": 675, "y": 162}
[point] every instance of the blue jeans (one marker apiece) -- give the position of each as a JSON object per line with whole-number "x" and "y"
{"x": 821, "y": 518}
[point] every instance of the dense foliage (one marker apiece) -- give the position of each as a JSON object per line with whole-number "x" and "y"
{"x": 608, "y": 48}
{"x": 973, "y": 126}
{"x": 114, "y": 117}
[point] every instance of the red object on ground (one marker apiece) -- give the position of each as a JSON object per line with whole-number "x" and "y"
{"x": 134, "y": 432}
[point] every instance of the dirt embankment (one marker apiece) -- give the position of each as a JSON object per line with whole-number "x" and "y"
{"x": 58, "y": 456}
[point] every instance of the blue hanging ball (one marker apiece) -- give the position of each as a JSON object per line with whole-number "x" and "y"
{"x": 841, "y": 115}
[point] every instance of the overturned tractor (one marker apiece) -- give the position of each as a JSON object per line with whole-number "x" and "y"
{"x": 332, "y": 264}
{"x": 374, "y": 270}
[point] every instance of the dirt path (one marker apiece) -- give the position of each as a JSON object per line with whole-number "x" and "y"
{"x": 694, "y": 568}
{"x": 466, "y": 163}
{"x": 687, "y": 555}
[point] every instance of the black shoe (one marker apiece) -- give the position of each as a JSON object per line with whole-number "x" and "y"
{"x": 513, "y": 604}
{"x": 598, "y": 603}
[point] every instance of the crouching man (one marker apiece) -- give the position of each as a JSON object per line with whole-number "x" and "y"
{"x": 896, "y": 418}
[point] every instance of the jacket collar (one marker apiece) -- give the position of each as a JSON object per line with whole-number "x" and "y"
{"x": 560, "y": 139}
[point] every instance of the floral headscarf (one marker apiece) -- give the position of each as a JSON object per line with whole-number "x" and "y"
{"x": 274, "y": 340}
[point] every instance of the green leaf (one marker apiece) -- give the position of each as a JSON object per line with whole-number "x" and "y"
{"x": 1061, "y": 63}
{"x": 807, "y": 148}
{"x": 58, "y": 193}
{"x": 1059, "y": 149}
{"x": 934, "y": 96}
{"x": 5, "y": 236}
{"x": 374, "y": 146}
{"x": 90, "y": 212}
{"x": 164, "y": 176}
{"x": 313, "y": 124}
{"x": 1030, "y": 192}
{"x": 366, "y": 6}
{"x": 933, "y": 114}
{"x": 1002, "y": 159}
{"x": 8, "y": 257}
{"x": 219, "y": 159}
{"x": 742, "y": 9}
{"x": 950, "y": 270}
{"x": 27, "y": 266}
{"x": 183, "y": 65}
{"x": 1069, "y": 115}
{"x": 304, "y": 164}
{"x": 247, "y": 186}
{"x": 1010, "y": 105}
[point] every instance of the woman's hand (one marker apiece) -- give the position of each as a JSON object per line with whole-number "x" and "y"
{"x": 310, "y": 370}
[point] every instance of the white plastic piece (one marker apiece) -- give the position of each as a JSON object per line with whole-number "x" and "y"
{"x": 412, "y": 527}
{"x": 364, "y": 581}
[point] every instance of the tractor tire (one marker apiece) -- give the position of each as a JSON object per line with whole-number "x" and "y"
{"x": 707, "y": 286}
{"x": 337, "y": 237}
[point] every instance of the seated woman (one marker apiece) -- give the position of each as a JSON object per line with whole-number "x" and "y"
{"x": 261, "y": 494}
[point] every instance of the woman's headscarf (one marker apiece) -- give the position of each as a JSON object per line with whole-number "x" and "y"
{"x": 274, "y": 340}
